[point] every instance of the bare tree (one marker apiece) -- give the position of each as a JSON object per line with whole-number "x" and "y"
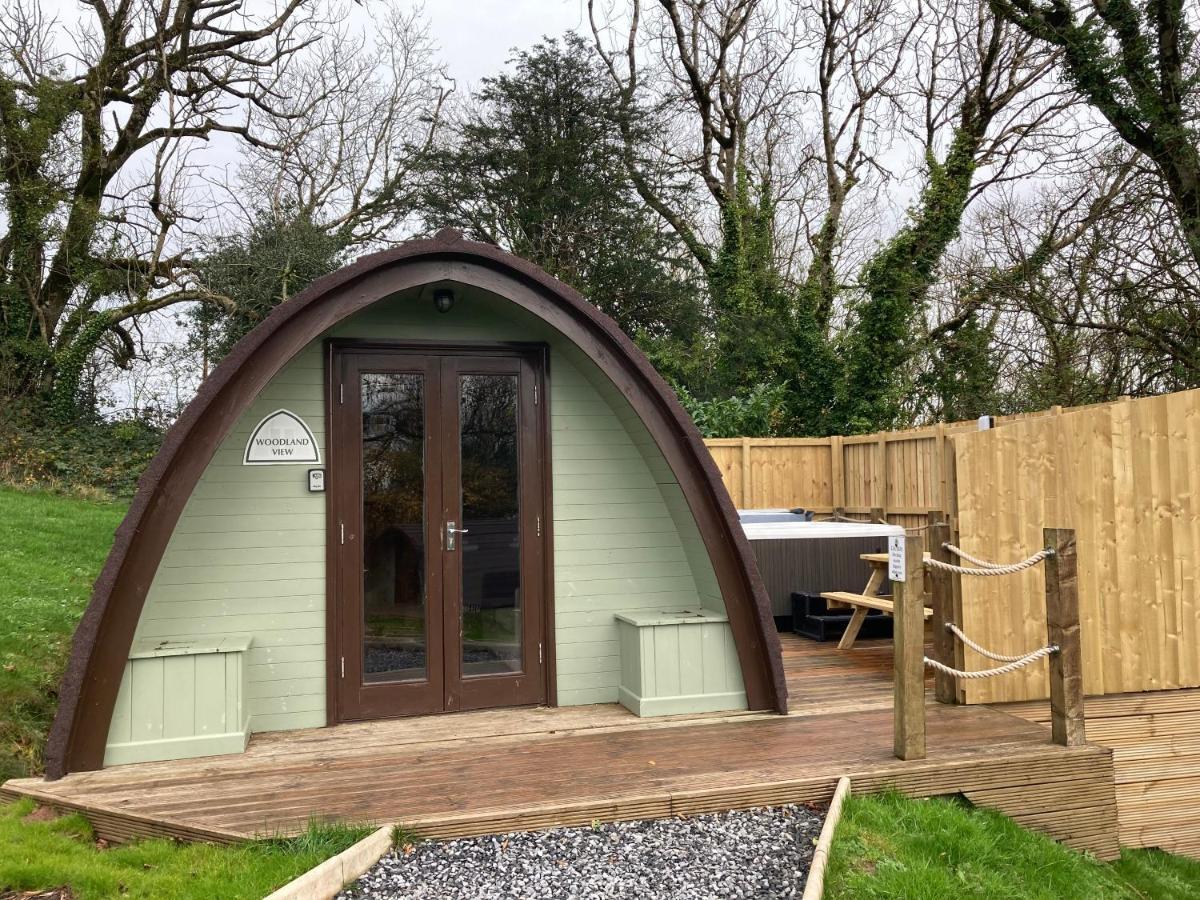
{"x": 982, "y": 90}
{"x": 106, "y": 153}
{"x": 142, "y": 82}
{"x": 1128, "y": 286}
{"x": 719, "y": 76}
{"x": 359, "y": 112}
{"x": 1015, "y": 239}
{"x": 860, "y": 50}
{"x": 989, "y": 307}
{"x": 1085, "y": 291}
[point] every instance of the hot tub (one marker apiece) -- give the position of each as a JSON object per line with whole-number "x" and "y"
{"x": 798, "y": 556}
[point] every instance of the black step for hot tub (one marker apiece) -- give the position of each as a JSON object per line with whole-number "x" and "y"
{"x": 812, "y": 617}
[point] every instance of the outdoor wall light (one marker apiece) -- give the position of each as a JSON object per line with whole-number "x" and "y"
{"x": 443, "y": 299}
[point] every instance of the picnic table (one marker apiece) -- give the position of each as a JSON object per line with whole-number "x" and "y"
{"x": 869, "y": 599}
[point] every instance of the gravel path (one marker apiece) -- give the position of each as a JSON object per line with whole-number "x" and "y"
{"x": 756, "y": 853}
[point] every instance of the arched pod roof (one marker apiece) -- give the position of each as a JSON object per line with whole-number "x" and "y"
{"x": 105, "y": 633}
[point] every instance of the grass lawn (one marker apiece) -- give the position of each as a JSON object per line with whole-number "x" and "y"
{"x": 888, "y": 846}
{"x": 51, "y": 549}
{"x": 38, "y": 855}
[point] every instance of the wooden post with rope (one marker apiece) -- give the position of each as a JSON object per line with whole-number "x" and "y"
{"x": 1062, "y": 627}
{"x": 941, "y": 590}
{"x": 1062, "y": 630}
{"x": 909, "y": 654}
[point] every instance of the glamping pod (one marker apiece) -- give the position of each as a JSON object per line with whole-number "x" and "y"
{"x": 437, "y": 480}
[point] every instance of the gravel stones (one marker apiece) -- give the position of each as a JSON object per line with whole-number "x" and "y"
{"x": 748, "y": 853}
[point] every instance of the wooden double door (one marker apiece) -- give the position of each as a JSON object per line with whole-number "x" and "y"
{"x": 437, "y": 501}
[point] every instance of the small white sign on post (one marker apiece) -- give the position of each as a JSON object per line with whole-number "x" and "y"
{"x": 281, "y": 439}
{"x": 896, "y": 570}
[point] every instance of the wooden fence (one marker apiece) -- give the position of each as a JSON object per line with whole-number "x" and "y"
{"x": 903, "y": 473}
{"x": 1124, "y": 475}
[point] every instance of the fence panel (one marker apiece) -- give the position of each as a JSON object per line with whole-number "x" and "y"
{"x": 904, "y": 473}
{"x": 1126, "y": 477}
{"x": 782, "y": 470}
{"x": 728, "y": 455}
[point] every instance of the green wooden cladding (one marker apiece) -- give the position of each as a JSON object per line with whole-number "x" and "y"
{"x": 248, "y": 554}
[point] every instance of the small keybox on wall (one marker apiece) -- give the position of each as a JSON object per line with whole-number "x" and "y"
{"x": 316, "y": 480}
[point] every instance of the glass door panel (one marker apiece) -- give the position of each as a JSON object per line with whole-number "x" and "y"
{"x": 491, "y": 522}
{"x": 394, "y": 607}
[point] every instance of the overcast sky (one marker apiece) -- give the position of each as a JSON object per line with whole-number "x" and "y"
{"x": 476, "y": 37}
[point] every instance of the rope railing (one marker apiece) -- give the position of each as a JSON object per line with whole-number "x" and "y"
{"x": 998, "y": 657}
{"x": 918, "y": 529}
{"x": 985, "y": 567}
{"x": 955, "y": 685}
{"x": 1011, "y": 663}
{"x": 1019, "y": 663}
{"x": 987, "y": 564}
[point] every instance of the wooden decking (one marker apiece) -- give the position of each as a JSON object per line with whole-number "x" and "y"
{"x": 1155, "y": 739}
{"x": 501, "y": 770}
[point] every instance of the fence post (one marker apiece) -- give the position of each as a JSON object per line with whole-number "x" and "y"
{"x": 837, "y": 472}
{"x": 879, "y": 491}
{"x": 937, "y": 533}
{"x": 879, "y": 514}
{"x": 747, "y": 481}
{"x": 1062, "y": 630}
{"x": 958, "y": 614}
{"x": 908, "y": 609}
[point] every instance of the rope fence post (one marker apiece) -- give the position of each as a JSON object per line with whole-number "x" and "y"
{"x": 1062, "y": 631}
{"x": 909, "y": 653}
{"x": 956, "y": 604}
{"x": 937, "y": 533}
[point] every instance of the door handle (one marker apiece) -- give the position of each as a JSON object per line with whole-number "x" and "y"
{"x": 451, "y": 531}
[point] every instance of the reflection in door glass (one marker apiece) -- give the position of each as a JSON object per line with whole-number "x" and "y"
{"x": 491, "y": 578}
{"x": 393, "y": 436}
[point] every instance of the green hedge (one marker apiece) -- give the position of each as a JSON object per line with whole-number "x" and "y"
{"x": 99, "y": 460}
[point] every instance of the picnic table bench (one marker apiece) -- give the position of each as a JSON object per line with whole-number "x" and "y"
{"x": 869, "y": 599}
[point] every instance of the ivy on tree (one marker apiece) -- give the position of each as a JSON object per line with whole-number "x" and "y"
{"x": 1136, "y": 63}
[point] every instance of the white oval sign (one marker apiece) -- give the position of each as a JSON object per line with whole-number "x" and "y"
{"x": 281, "y": 439}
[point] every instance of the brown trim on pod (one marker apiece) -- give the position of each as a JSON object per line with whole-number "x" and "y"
{"x": 105, "y": 633}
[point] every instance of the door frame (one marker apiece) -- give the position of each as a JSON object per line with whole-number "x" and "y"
{"x": 537, "y": 354}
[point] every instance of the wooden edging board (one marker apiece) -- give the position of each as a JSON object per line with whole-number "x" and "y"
{"x": 814, "y": 887}
{"x": 325, "y": 880}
